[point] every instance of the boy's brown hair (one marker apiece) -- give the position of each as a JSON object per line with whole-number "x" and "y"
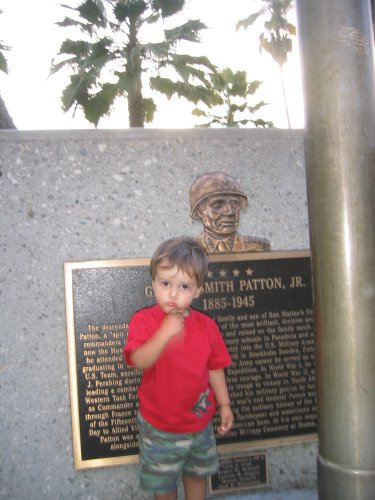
{"x": 184, "y": 253}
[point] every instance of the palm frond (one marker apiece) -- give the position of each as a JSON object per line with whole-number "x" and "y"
{"x": 188, "y": 31}
{"x": 129, "y": 9}
{"x": 149, "y": 108}
{"x": 93, "y": 11}
{"x": 248, "y": 21}
{"x": 168, "y": 7}
{"x": 3, "y": 63}
{"x": 100, "y": 103}
{"x": 193, "y": 93}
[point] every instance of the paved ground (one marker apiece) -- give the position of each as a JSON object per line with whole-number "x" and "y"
{"x": 283, "y": 495}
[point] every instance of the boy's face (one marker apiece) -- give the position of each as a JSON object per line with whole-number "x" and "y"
{"x": 174, "y": 290}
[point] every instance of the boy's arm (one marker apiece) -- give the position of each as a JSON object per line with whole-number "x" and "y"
{"x": 146, "y": 354}
{"x": 220, "y": 388}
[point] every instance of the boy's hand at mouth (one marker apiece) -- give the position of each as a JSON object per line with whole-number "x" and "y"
{"x": 181, "y": 312}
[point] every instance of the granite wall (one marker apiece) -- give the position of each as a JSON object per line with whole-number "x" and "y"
{"x": 83, "y": 195}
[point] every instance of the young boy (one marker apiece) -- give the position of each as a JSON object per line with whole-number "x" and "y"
{"x": 183, "y": 356}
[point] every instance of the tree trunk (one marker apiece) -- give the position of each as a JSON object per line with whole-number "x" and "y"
{"x": 134, "y": 68}
{"x": 281, "y": 66}
{"x": 6, "y": 121}
{"x": 135, "y": 106}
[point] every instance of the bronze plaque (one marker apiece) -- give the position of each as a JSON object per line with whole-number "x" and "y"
{"x": 240, "y": 472}
{"x": 263, "y": 305}
{"x": 101, "y": 297}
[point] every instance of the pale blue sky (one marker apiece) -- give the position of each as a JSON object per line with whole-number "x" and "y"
{"x": 33, "y": 98}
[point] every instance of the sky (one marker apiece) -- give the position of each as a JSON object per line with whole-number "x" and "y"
{"x": 32, "y": 95}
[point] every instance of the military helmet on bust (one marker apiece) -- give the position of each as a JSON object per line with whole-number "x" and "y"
{"x": 214, "y": 183}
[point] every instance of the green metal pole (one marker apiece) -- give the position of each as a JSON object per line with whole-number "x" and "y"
{"x": 338, "y": 70}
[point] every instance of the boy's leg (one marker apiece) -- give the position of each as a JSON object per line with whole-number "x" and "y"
{"x": 202, "y": 461}
{"x": 161, "y": 458}
{"x": 194, "y": 487}
{"x": 172, "y": 495}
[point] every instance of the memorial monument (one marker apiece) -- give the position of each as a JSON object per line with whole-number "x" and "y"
{"x": 262, "y": 302}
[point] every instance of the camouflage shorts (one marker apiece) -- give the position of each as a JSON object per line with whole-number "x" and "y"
{"x": 165, "y": 456}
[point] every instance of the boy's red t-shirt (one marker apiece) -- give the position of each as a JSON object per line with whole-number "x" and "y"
{"x": 174, "y": 394}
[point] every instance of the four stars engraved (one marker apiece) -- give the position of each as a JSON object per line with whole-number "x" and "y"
{"x": 236, "y": 273}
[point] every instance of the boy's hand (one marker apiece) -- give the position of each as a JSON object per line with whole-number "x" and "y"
{"x": 172, "y": 324}
{"x": 185, "y": 313}
{"x": 226, "y": 419}
{"x": 146, "y": 355}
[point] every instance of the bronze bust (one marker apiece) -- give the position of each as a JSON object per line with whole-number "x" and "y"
{"x": 216, "y": 199}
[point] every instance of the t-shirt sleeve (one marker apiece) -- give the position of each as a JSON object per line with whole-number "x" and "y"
{"x": 137, "y": 335}
{"x": 220, "y": 357}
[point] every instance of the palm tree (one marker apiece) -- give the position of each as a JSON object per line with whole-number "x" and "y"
{"x": 276, "y": 38}
{"x": 113, "y": 57}
{"x": 234, "y": 110}
{"x": 6, "y": 121}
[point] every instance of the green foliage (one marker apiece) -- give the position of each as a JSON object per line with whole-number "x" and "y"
{"x": 128, "y": 10}
{"x": 193, "y": 93}
{"x": 277, "y": 47}
{"x": 168, "y": 7}
{"x": 101, "y": 103}
{"x": 112, "y": 59}
{"x": 6, "y": 121}
{"x": 3, "y": 59}
{"x": 276, "y": 39}
{"x": 149, "y": 108}
{"x": 232, "y": 93}
{"x": 93, "y": 12}
{"x": 188, "y": 31}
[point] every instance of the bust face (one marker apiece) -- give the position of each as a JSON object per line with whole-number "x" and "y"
{"x": 220, "y": 214}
